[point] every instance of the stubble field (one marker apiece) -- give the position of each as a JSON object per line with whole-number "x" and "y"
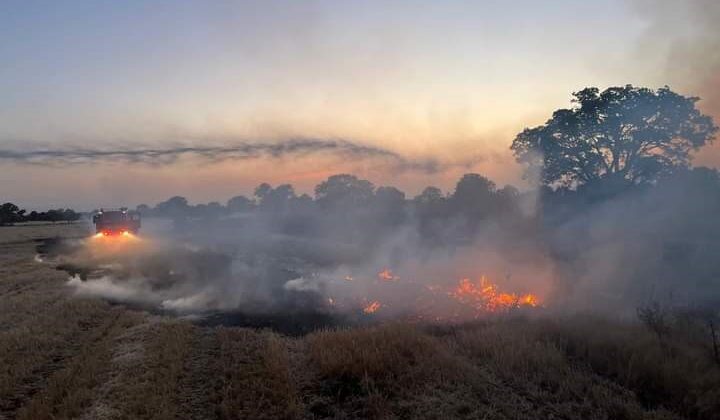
{"x": 64, "y": 356}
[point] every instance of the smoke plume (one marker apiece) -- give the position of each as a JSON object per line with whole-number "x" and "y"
{"x": 692, "y": 35}
{"x": 245, "y": 150}
{"x": 360, "y": 252}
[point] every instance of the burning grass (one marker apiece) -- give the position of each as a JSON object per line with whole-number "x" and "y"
{"x": 169, "y": 276}
{"x": 67, "y": 357}
{"x": 485, "y": 296}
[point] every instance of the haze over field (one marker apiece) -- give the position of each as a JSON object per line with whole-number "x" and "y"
{"x": 360, "y": 209}
{"x": 426, "y": 92}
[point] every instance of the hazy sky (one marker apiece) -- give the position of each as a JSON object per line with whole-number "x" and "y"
{"x": 447, "y": 81}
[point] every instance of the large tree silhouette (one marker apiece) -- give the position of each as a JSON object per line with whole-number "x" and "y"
{"x": 627, "y": 134}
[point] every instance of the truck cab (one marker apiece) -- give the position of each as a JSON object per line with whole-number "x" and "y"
{"x": 116, "y": 222}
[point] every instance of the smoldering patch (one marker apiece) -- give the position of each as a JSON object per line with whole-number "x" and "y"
{"x": 272, "y": 281}
{"x": 53, "y": 247}
{"x": 189, "y": 280}
{"x": 110, "y": 289}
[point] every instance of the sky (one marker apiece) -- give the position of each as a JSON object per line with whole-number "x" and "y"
{"x": 415, "y": 92}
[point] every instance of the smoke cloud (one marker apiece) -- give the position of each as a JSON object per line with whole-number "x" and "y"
{"x": 292, "y": 148}
{"x": 360, "y": 252}
{"x": 692, "y": 35}
{"x": 354, "y": 251}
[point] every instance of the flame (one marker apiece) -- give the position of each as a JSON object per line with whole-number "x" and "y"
{"x": 485, "y": 295}
{"x": 372, "y": 307}
{"x": 438, "y": 301}
{"x": 387, "y": 275}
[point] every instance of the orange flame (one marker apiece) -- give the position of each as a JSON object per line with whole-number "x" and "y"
{"x": 484, "y": 295}
{"x": 387, "y": 275}
{"x": 372, "y": 307}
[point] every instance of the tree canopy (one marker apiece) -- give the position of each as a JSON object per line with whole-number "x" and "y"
{"x": 344, "y": 188}
{"x": 629, "y": 134}
{"x": 11, "y": 213}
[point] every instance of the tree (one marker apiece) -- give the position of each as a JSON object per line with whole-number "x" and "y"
{"x": 143, "y": 209}
{"x": 54, "y": 215}
{"x": 69, "y": 215}
{"x": 508, "y": 201}
{"x": 274, "y": 199}
{"x": 262, "y": 190}
{"x": 707, "y": 317}
{"x": 431, "y": 203}
{"x": 239, "y": 204}
{"x": 212, "y": 210}
{"x": 628, "y": 134}
{"x": 474, "y": 196}
{"x": 390, "y": 205}
{"x": 429, "y": 195}
{"x": 175, "y": 207}
{"x": 390, "y": 195}
{"x": 344, "y": 189}
{"x": 656, "y": 319}
{"x": 10, "y": 213}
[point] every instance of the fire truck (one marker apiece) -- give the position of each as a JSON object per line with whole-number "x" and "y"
{"x": 116, "y": 222}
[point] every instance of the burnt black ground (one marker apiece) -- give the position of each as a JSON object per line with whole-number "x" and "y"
{"x": 298, "y": 318}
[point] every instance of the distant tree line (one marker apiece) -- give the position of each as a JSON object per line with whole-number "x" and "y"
{"x": 350, "y": 206}
{"x": 11, "y": 213}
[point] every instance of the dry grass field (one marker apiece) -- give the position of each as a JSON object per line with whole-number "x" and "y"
{"x": 63, "y": 356}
